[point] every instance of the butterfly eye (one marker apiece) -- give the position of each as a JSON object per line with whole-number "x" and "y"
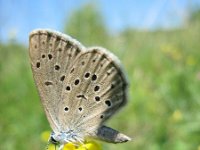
{"x": 52, "y": 140}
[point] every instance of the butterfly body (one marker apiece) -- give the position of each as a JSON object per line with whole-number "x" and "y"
{"x": 80, "y": 88}
{"x": 66, "y": 137}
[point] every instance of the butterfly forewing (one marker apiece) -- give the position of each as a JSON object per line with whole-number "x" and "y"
{"x": 51, "y": 55}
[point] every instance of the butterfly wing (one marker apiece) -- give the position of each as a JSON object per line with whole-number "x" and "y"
{"x": 79, "y": 89}
{"x": 93, "y": 91}
{"x": 51, "y": 54}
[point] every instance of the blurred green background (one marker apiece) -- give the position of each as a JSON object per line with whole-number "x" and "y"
{"x": 163, "y": 67}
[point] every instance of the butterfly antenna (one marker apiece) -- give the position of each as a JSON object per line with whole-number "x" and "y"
{"x": 48, "y": 143}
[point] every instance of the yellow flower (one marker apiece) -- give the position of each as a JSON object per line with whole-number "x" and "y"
{"x": 45, "y": 136}
{"x": 69, "y": 146}
{"x": 92, "y": 145}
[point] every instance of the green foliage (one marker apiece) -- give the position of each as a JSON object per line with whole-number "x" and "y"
{"x": 164, "y": 73}
{"x": 195, "y": 15}
{"x": 21, "y": 120}
{"x": 86, "y": 24}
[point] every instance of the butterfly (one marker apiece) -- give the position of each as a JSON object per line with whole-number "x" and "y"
{"x": 80, "y": 88}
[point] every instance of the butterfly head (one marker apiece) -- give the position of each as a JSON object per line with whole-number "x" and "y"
{"x": 64, "y": 137}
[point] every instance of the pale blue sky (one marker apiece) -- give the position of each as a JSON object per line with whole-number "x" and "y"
{"x": 19, "y": 17}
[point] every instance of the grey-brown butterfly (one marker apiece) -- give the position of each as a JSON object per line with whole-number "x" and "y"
{"x": 80, "y": 88}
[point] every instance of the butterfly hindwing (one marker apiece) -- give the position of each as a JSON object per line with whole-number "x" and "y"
{"x": 93, "y": 91}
